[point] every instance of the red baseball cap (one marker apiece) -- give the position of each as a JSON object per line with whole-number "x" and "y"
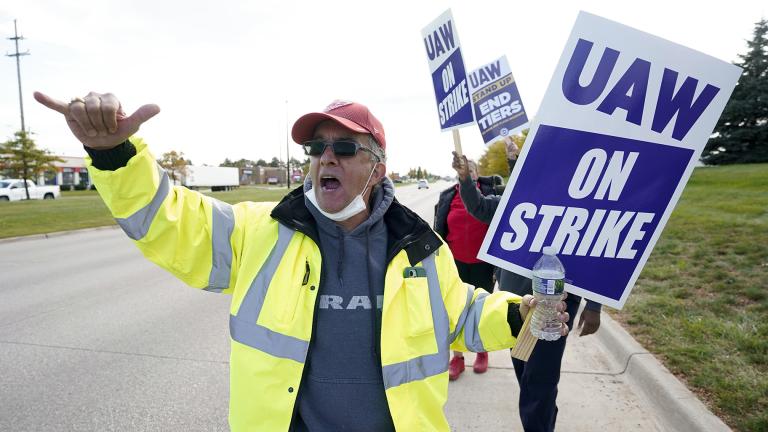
{"x": 350, "y": 115}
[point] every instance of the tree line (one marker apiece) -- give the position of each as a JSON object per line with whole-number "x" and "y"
{"x": 176, "y": 164}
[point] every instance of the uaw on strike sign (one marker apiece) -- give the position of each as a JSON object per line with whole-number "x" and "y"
{"x": 621, "y": 126}
{"x": 449, "y": 77}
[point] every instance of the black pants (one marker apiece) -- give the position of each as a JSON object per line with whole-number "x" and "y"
{"x": 479, "y": 275}
{"x": 539, "y": 376}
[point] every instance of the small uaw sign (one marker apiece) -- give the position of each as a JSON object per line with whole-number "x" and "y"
{"x": 621, "y": 126}
{"x": 498, "y": 108}
{"x": 446, "y": 65}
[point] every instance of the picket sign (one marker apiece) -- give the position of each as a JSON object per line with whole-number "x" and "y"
{"x": 621, "y": 127}
{"x": 498, "y": 108}
{"x": 449, "y": 77}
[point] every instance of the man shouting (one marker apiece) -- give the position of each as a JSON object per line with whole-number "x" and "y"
{"x": 380, "y": 365}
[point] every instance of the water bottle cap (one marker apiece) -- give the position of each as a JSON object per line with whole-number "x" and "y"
{"x": 549, "y": 250}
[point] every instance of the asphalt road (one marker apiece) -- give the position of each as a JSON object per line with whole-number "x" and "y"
{"x": 95, "y": 337}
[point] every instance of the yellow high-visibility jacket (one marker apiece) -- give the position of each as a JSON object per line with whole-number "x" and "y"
{"x": 268, "y": 258}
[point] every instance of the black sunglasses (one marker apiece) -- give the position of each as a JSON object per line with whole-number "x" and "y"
{"x": 343, "y": 147}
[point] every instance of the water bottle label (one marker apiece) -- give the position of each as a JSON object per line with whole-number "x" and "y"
{"x": 549, "y": 286}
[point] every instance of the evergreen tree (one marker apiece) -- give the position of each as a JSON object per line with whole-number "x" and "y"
{"x": 741, "y": 134}
{"x": 20, "y": 158}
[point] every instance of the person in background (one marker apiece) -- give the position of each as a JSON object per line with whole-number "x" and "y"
{"x": 512, "y": 151}
{"x": 464, "y": 235}
{"x": 539, "y": 376}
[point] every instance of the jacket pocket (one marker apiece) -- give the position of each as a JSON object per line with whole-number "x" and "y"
{"x": 295, "y": 293}
{"x": 419, "y": 310}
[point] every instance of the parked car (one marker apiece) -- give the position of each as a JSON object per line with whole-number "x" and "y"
{"x": 423, "y": 184}
{"x": 13, "y": 190}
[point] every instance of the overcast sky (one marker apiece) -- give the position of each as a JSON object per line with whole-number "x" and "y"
{"x": 230, "y": 75}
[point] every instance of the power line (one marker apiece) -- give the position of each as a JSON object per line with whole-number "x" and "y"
{"x": 16, "y": 38}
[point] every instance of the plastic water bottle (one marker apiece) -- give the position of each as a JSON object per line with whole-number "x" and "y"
{"x": 548, "y": 288}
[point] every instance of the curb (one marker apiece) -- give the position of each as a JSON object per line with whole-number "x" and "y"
{"x": 55, "y": 234}
{"x": 678, "y": 408}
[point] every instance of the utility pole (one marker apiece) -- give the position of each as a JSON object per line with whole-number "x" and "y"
{"x": 16, "y": 38}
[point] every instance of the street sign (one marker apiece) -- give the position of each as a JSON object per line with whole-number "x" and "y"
{"x": 621, "y": 127}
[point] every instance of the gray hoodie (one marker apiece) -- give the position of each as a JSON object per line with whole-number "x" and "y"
{"x": 343, "y": 388}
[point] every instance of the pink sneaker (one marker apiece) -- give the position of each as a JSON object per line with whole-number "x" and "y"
{"x": 481, "y": 363}
{"x": 455, "y": 368}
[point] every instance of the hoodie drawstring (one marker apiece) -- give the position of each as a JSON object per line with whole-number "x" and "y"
{"x": 373, "y": 297}
{"x": 339, "y": 267}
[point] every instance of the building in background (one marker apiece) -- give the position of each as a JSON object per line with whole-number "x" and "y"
{"x": 256, "y": 175}
{"x": 70, "y": 174}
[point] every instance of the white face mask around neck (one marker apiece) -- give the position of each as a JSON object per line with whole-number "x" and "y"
{"x": 356, "y": 206}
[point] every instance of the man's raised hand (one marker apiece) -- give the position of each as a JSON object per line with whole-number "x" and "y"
{"x": 461, "y": 166}
{"x": 98, "y": 120}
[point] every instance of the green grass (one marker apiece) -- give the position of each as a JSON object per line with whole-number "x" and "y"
{"x": 701, "y": 303}
{"x": 251, "y": 193}
{"x": 84, "y": 209}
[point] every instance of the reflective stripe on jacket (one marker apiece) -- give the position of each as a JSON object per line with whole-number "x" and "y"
{"x": 267, "y": 257}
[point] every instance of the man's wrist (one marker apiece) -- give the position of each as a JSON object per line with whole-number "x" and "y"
{"x": 514, "y": 319}
{"x": 112, "y": 159}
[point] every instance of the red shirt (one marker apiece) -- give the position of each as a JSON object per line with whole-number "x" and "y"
{"x": 465, "y": 233}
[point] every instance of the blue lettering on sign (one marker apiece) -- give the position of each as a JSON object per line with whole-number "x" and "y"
{"x": 630, "y": 90}
{"x": 485, "y": 74}
{"x": 574, "y": 91}
{"x": 634, "y": 80}
{"x": 680, "y": 103}
{"x": 498, "y": 108}
{"x": 440, "y": 41}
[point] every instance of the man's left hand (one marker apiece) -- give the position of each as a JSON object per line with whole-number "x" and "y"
{"x": 589, "y": 322}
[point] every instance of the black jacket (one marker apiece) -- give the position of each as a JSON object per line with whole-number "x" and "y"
{"x": 490, "y": 185}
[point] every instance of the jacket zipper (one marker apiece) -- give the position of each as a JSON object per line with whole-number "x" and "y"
{"x": 309, "y": 346}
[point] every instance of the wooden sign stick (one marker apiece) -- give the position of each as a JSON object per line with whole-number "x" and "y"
{"x": 457, "y": 142}
{"x": 525, "y": 340}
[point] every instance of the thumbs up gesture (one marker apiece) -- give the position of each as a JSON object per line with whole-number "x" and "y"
{"x": 98, "y": 120}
